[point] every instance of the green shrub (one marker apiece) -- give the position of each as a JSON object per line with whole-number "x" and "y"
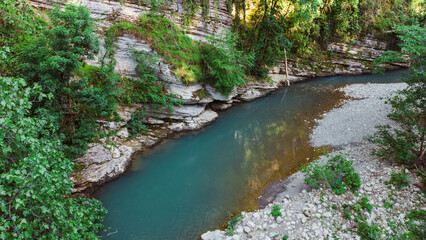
{"x": 229, "y": 231}
{"x": 223, "y": 65}
{"x": 34, "y": 174}
{"x": 416, "y": 224}
{"x": 276, "y": 211}
{"x": 135, "y": 124}
{"x": 406, "y": 142}
{"x": 168, "y": 40}
{"x": 368, "y": 232}
{"x": 363, "y": 204}
{"x": 347, "y": 214}
{"x": 338, "y": 174}
{"x": 399, "y": 180}
{"x": 147, "y": 88}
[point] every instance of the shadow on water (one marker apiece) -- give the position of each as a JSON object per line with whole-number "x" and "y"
{"x": 186, "y": 186}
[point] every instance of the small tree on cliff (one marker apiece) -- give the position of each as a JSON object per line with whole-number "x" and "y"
{"x": 52, "y": 59}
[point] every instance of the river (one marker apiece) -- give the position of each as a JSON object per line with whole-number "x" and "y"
{"x": 192, "y": 183}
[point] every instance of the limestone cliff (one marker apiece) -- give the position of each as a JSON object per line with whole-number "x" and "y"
{"x": 104, "y": 162}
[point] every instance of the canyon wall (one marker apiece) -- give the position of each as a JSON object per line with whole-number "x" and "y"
{"x": 110, "y": 157}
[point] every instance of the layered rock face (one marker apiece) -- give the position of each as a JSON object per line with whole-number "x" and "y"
{"x": 213, "y": 19}
{"x": 104, "y": 162}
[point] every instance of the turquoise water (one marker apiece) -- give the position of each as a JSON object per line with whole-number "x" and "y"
{"x": 189, "y": 185}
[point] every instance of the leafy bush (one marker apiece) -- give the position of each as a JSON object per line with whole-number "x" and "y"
{"x": 368, "y": 231}
{"x": 17, "y": 20}
{"x": 34, "y": 174}
{"x": 399, "y": 180}
{"x": 338, "y": 174}
{"x": 416, "y": 224}
{"x": 135, "y": 124}
{"x": 229, "y": 231}
{"x": 168, "y": 40}
{"x": 363, "y": 204}
{"x": 51, "y": 61}
{"x": 147, "y": 88}
{"x": 276, "y": 211}
{"x": 265, "y": 37}
{"x": 223, "y": 65}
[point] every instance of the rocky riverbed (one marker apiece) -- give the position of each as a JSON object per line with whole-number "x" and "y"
{"x": 317, "y": 213}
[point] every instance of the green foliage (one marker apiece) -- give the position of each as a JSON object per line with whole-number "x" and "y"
{"x": 155, "y": 5}
{"x": 309, "y": 25}
{"x": 223, "y": 65}
{"x": 387, "y": 204}
{"x": 135, "y": 124}
{"x": 406, "y": 143}
{"x": 147, "y": 88}
{"x": 368, "y": 231}
{"x": 168, "y": 40}
{"x": 17, "y": 20}
{"x": 338, "y": 174}
{"x": 276, "y": 211}
{"x": 51, "y": 61}
{"x": 34, "y": 174}
{"x": 266, "y": 38}
{"x": 416, "y": 224}
{"x": 218, "y": 62}
{"x": 399, "y": 180}
{"x": 338, "y": 20}
{"x": 347, "y": 214}
{"x": 363, "y": 204}
{"x": 18, "y": 23}
{"x": 229, "y": 231}
{"x": 413, "y": 227}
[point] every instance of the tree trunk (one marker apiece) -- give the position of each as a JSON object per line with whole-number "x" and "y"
{"x": 287, "y": 82}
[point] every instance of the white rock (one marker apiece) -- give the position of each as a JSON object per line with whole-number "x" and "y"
{"x": 123, "y": 133}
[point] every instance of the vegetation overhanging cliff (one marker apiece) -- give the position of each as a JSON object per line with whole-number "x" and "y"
{"x": 55, "y": 102}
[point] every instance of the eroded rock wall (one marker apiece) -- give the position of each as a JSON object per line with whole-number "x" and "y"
{"x": 108, "y": 159}
{"x": 106, "y": 12}
{"x": 198, "y": 112}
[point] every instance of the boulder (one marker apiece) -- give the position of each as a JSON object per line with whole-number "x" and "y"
{"x": 202, "y": 120}
{"x": 191, "y": 93}
{"x": 215, "y": 235}
{"x": 179, "y": 112}
{"x": 95, "y": 155}
{"x": 107, "y": 170}
{"x": 194, "y": 123}
{"x": 123, "y": 133}
{"x": 219, "y": 96}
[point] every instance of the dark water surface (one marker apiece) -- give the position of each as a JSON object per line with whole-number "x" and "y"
{"x": 186, "y": 186}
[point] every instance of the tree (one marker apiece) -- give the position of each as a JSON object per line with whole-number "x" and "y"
{"x": 266, "y": 37}
{"x": 34, "y": 184}
{"x": 52, "y": 59}
{"x": 223, "y": 65}
{"x": 406, "y": 142}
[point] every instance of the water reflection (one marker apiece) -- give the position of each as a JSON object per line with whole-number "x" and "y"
{"x": 274, "y": 149}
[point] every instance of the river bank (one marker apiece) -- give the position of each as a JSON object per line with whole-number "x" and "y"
{"x": 111, "y": 156}
{"x": 308, "y": 214}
